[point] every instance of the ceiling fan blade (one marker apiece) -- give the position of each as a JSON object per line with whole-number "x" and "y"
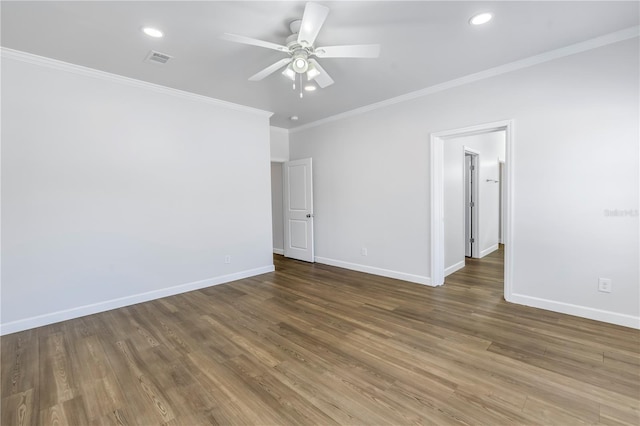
{"x": 353, "y": 51}
{"x": 270, "y": 69}
{"x": 312, "y": 20}
{"x": 323, "y": 79}
{"x": 254, "y": 42}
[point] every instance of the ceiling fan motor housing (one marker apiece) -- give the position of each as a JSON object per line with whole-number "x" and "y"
{"x": 299, "y": 53}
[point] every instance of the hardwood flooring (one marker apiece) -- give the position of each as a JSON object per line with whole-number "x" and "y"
{"x": 314, "y": 344}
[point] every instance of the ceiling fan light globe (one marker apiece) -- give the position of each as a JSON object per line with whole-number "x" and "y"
{"x": 300, "y": 65}
{"x": 289, "y": 72}
{"x": 312, "y": 72}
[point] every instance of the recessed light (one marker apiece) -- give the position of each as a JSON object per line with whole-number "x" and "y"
{"x": 309, "y": 87}
{"x": 293, "y": 118}
{"x": 152, "y": 32}
{"x": 480, "y": 18}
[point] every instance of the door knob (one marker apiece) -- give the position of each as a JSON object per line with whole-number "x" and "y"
{"x": 309, "y": 215}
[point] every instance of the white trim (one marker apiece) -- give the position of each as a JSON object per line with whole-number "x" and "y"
{"x": 279, "y": 160}
{"x": 1, "y": 193}
{"x": 67, "y": 314}
{"x": 501, "y": 167}
{"x": 489, "y": 250}
{"x": 437, "y": 210}
{"x": 437, "y": 197}
{"x": 278, "y": 251}
{"x": 471, "y": 151}
{"x": 594, "y": 43}
{"x": 454, "y": 268}
{"x": 102, "y": 75}
{"x": 577, "y": 310}
{"x": 418, "y": 279}
{"x": 474, "y": 130}
{"x": 508, "y": 197}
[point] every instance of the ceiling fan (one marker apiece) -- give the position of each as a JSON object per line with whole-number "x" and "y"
{"x": 302, "y": 54}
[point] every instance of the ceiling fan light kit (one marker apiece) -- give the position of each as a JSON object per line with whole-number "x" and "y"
{"x": 312, "y": 72}
{"x": 289, "y": 72}
{"x": 300, "y": 62}
{"x": 302, "y": 52}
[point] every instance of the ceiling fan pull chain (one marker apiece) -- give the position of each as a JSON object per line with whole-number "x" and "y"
{"x": 300, "y": 86}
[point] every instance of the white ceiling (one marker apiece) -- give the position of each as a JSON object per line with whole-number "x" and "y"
{"x": 423, "y": 43}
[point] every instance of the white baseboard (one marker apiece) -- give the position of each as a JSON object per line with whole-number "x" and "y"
{"x": 418, "y": 279}
{"x": 278, "y": 251}
{"x": 490, "y": 250}
{"x": 453, "y": 268}
{"x": 577, "y": 310}
{"x": 94, "y": 308}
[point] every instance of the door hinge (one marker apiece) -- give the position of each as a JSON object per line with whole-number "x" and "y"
{"x": 472, "y": 168}
{"x": 472, "y": 204}
{"x": 472, "y": 240}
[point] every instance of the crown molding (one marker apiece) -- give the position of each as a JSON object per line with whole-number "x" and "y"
{"x": 42, "y": 61}
{"x": 551, "y": 55}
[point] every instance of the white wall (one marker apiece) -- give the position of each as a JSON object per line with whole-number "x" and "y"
{"x": 115, "y": 192}
{"x": 279, "y": 144}
{"x": 490, "y": 148}
{"x": 575, "y": 155}
{"x": 277, "y": 214}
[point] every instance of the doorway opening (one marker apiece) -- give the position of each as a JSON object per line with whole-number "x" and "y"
{"x": 448, "y": 218}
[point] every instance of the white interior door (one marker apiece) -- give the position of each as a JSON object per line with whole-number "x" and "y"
{"x": 298, "y": 209}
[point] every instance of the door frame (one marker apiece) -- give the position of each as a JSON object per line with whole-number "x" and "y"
{"x": 501, "y": 176}
{"x": 437, "y": 140}
{"x": 475, "y": 190}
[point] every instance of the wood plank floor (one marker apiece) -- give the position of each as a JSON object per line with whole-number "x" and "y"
{"x": 314, "y": 344}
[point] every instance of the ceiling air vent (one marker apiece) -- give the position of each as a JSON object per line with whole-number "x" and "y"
{"x": 157, "y": 57}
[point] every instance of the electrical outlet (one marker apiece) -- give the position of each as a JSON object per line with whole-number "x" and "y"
{"x": 363, "y": 251}
{"x": 227, "y": 259}
{"x": 604, "y": 285}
